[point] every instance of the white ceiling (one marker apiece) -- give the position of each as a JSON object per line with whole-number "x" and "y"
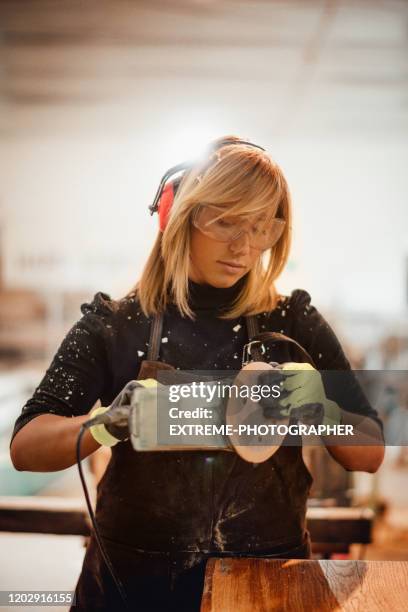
{"x": 300, "y": 68}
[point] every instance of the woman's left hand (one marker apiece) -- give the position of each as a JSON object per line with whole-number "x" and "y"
{"x": 304, "y": 387}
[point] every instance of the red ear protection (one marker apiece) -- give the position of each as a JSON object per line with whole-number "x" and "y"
{"x": 167, "y": 190}
{"x": 164, "y": 205}
{"x": 166, "y": 202}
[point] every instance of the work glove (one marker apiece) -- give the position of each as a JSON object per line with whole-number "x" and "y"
{"x": 115, "y": 426}
{"x": 303, "y": 396}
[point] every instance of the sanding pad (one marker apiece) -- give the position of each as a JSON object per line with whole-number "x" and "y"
{"x": 240, "y": 411}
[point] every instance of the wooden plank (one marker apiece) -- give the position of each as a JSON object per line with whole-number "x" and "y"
{"x": 346, "y": 525}
{"x": 44, "y": 515}
{"x": 368, "y": 585}
{"x": 239, "y": 585}
{"x": 340, "y": 513}
{"x": 33, "y": 502}
{"x": 32, "y": 521}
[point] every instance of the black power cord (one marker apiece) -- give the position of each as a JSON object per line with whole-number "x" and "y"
{"x": 104, "y": 554}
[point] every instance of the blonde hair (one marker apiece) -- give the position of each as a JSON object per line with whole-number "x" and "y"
{"x": 243, "y": 180}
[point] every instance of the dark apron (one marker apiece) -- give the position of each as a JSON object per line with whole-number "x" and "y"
{"x": 161, "y": 515}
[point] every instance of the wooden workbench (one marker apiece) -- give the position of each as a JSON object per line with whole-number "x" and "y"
{"x": 265, "y": 585}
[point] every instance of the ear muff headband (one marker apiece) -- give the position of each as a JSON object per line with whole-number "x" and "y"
{"x": 167, "y": 189}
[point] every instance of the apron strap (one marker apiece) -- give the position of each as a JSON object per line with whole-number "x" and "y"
{"x": 252, "y": 326}
{"x": 155, "y": 338}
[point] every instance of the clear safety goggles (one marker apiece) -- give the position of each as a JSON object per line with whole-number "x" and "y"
{"x": 263, "y": 233}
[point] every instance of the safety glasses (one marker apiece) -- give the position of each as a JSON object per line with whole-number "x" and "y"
{"x": 262, "y": 233}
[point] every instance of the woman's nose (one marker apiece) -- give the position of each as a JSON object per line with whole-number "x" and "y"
{"x": 240, "y": 244}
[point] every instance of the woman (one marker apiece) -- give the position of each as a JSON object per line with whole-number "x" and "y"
{"x": 223, "y": 241}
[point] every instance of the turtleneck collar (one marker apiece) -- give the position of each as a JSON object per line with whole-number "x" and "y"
{"x": 207, "y": 299}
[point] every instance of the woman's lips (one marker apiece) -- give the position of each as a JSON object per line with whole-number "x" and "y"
{"x": 230, "y": 267}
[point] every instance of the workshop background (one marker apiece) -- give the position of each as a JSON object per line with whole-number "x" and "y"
{"x": 98, "y": 99}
